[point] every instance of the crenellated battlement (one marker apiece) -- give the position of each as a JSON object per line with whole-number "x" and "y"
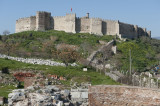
{"x": 70, "y": 14}
{"x": 22, "y": 18}
{"x": 59, "y": 16}
{"x": 43, "y": 12}
{"x": 70, "y": 23}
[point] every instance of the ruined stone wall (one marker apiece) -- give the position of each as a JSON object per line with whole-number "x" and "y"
{"x": 114, "y": 95}
{"x": 96, "y": 26}
{"x": 23, "y": 24}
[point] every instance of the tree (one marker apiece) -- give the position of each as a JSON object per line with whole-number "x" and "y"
{"x": 10, "y": 47}
{"x": 158, "y": 58}
{"x": 87, "y": 48}
{"x": 67, "y": 55}
{"x": 5, "y": 70}
{"x": 6, "y": 32}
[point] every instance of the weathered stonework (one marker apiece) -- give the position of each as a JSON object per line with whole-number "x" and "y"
{"x": 114, "y": 95}
{"x": 72, "y": 24}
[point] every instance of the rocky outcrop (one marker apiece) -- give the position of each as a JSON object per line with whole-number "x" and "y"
{"x": 49, "y": 95}
{"x": 34, "y": 95}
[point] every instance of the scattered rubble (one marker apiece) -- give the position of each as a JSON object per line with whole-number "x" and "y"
{"x": 49, "y": 95}
{"x": 1, "y": 101}
{"x": 36, "y": 61}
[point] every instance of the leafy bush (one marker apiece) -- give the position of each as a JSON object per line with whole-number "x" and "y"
{"x": 5, "y": 70}
{"x": 41, "y": 44}
{"x": 142, "y": 54}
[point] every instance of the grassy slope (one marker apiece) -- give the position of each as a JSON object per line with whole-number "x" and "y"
{"x": 27, "y": 41}
{"x": 61, "y": 37}
{"x": 74, "y": 73}
{"x": 43, "y": 44}
{"x": 5, "y": 90}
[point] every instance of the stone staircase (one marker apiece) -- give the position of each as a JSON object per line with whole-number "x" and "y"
{"x": 94, "y": 53}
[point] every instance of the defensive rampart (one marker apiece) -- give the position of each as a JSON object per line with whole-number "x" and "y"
{"x": 72, "y": 24}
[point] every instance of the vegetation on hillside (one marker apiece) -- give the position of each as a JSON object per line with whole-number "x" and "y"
{"x": 145, "y": 53}
{"x": 44, "y": 44}
{"x": 53, "y": 44}
{"x": 90, "y": 76}
{"x": 74, "y": 74}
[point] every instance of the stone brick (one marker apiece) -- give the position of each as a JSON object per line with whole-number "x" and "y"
{"x": 113, "y": 95}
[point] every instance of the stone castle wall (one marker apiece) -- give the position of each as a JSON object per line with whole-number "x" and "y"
{"x": 72, "y": 24}
{"x": 25, "y": 24}
{"x": 110, "y": 27}
{"x": 65, "y": 23}
{"x": 32, "y": 23}
{"x": 59, "y": 23}
{"x": 96, "y": 26}
{"x": 84, "y": 25}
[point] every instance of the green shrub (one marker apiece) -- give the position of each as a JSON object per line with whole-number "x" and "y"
{"x": 5, "y": 70}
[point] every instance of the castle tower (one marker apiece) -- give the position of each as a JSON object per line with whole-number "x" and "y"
{"x": 136, "y": 30}
{"x": 145, "y": 31}
{"x": 70, "y": 23}
{"x": 149, "y": 33}
{"x": 43, "y": 21}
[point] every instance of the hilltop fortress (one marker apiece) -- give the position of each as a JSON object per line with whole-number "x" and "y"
{"x": 72, "y": 24}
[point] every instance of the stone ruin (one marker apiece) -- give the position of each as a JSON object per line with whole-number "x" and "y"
{"x": 49, "y": 95}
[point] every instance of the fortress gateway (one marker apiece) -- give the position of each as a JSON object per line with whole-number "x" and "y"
{"x": 70, "y": 23}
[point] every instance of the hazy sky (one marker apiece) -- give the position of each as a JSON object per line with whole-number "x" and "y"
{"x": 144, "y": 13}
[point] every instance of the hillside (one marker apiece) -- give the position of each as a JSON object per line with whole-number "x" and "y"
{"x": 145, "y": 54}
{"x": 45, "y": 44}
{"x": 50, "y": 45}
{"x": 54, "y": 44}
{"x": 72, "y": 74}
{"x": 68, "y": 48}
